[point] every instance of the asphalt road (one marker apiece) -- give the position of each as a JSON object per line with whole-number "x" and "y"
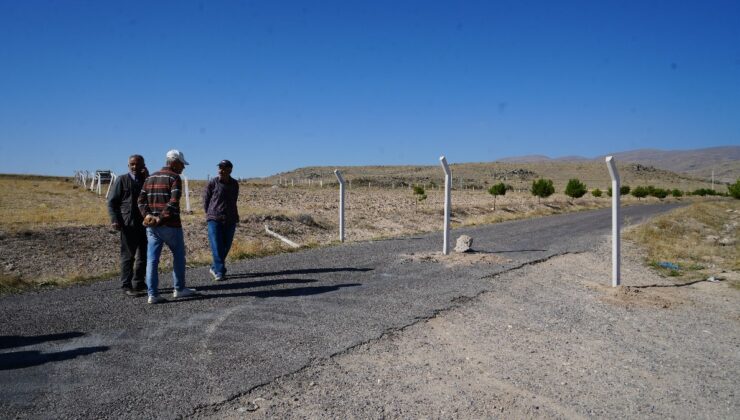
{"x": 89, "y": 351}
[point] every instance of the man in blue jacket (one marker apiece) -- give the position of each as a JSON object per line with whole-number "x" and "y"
{"x": 125, "y": 217}
{"x": 222, "y": 215}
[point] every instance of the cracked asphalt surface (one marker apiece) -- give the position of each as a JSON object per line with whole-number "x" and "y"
{"x": 89, "y": 351}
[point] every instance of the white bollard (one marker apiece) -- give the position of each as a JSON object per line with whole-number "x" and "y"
{"x": 187, "y": 194}
{"x": 341, "y": 204}
{"x": 448, "y": 187}
{"x": 616, "y": 224}
{"x": 113, "y": 177}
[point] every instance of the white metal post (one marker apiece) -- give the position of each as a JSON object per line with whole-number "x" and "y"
{"x": 341, "y": 204}
{"x": 448, "y": 187}
{"x": 187, "y": 194}
{"x": 616, "y": 223}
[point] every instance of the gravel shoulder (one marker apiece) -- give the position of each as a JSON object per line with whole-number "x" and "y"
{"x": 549, "y": 340}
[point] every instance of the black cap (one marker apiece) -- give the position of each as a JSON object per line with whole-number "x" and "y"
{"x": 225, "y": 164}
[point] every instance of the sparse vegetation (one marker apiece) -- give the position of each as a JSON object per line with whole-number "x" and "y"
{"x": 420, "y": 193}
{"x": 306, "y": 214}
{"x": 596, "y": 193}
{"x": 676, "y": 193}
{"x": 700, "y": 239}
{"x": 28, "y": 202}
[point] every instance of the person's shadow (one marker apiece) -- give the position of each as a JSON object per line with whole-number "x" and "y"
{"x": 28, "y": 358}
{"x": 294, "y": 272}
{"x": 291, "y": 292}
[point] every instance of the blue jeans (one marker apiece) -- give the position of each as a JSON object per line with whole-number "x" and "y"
{"x": 175, "y": 240}
{"x": 220, "y": 235}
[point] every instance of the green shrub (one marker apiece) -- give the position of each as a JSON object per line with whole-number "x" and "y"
{"x": 496, "y": 190}
{"x": 624, "y": 190}
{"x": 640, "y": 192}
{"x": 734, "y": 189}
{"x": 575, "y": 188}
{"x": 659, "y": 193}
{"x": 704, "y": 191}
{"x": 542, "y": 188}
{"x": 676, "y": 193}
{"x": 419, "y": 192}
{"x": 596, "y": 193}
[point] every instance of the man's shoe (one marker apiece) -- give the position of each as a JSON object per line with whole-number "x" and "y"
{"x": 134, "y": 293}
{"x": 156, "y": 299}
{"x": 185, "y": 292}
{"x": 213, "y": 274}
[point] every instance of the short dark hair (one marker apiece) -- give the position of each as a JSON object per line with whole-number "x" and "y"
{"x": 136, "y": 157}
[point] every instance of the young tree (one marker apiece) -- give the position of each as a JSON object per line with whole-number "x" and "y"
{"x": 496, "y": 190}
{"x": 419, "y": 192}
{"x": 542, "y": 188}
{"x": 575, "y": 188}
{"x": 596, "y": 193}
{"x": 640, "y": 192}
{"x": 624, "y": 190}
{"x": 420, "y": 195}
{"x": 734, "y": 189}
{"x": 659, "y": 193}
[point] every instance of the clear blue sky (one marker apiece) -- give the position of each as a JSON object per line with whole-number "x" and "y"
{"x": 276, "y": 85}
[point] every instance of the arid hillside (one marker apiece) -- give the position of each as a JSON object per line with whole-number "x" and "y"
{"x": 482, "y": 175}
{"x": 723, "y": 161}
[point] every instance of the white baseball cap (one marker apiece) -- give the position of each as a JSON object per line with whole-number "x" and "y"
{"x": 176, "y": 154}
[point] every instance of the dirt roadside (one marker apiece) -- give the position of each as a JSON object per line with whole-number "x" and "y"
{"x": 550, "y": 340}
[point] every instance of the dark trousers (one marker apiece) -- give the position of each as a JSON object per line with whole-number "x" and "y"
{"x": 133, "y": 257}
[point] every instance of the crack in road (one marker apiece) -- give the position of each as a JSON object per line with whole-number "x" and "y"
{"x": 455, "y": 303}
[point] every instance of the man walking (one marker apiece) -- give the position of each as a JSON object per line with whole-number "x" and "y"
{"x": 222, "y": 215}
{"x": 159, "y": 204}
{"x": 125, "y": 217}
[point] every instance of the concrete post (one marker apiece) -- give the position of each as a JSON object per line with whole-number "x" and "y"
{"x": 616, "y": 223}
{"x": 187, "y": 193}
{"x": 341, "y": 204}
{"x": 448, "y": 196}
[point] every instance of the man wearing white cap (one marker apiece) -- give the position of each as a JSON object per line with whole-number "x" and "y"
{"x": 159, "y": 204}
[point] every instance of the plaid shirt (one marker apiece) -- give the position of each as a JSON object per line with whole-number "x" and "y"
{"x": 160, "y": 196}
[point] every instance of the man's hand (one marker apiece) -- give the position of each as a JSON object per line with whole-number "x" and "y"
{"x": 115, "y": 226}
{"x": 151, "y": 220}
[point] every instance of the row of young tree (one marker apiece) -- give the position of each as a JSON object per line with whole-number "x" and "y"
{"x": 543, "y": 188}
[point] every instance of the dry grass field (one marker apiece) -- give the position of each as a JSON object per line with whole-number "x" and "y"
{"x": 710, "y": 228}
{"x": 54, "y": 232}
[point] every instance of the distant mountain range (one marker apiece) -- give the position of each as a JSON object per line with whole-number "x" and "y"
{"x": 724, "y": 161}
